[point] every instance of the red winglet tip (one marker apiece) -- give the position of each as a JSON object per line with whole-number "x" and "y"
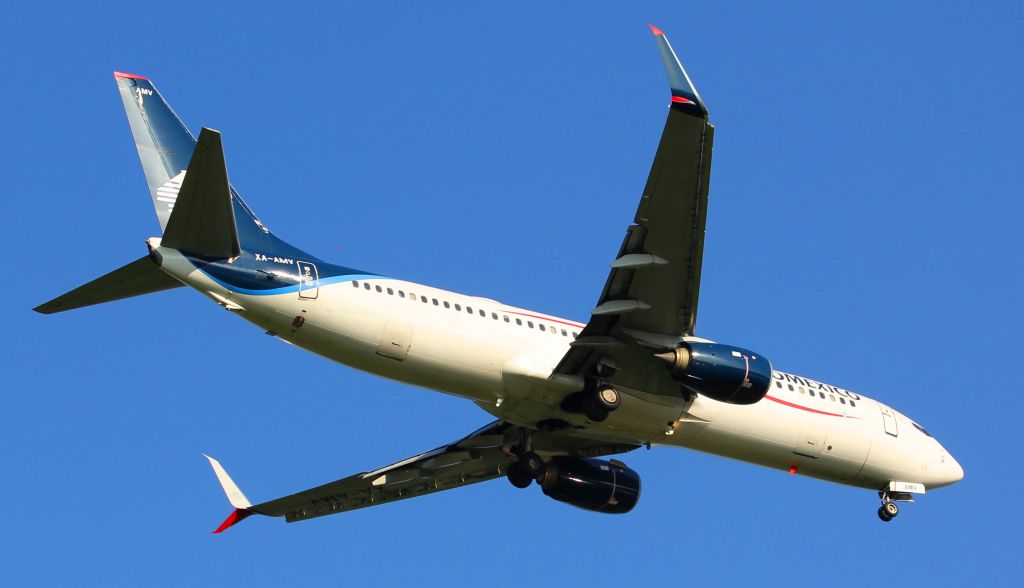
{"x": 121, "y": 74}
{"x": 792, "y": 470}
{"x": 237, "y": 516}
{"x": 657, "y": 32}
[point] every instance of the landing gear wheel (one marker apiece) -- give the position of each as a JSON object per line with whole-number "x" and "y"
{"x": 888, "y": 511}
{"x": 530, "y": 464}
{"x": 891, "y": 509}
{"x": 594, "y": 409}
{"x": 608, "y": 398}
{"x": 518, "y": 478}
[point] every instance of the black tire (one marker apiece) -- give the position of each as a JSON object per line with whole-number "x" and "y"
{"x": 594, "y": 410}
{"x": 882, "y": 514}
{"x": 518, "y": 478}
{"x": 532, "y": 465}
{"x": 608, "y": 398}
{"x": 891, "y": 509}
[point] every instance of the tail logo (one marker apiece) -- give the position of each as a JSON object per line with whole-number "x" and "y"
{"x": 140, "y": 92}
{"x": 168, "y": 193}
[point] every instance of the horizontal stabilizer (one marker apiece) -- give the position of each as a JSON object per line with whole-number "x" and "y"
{"x": 141, "y": 276}
{"x": 203, "y": 219}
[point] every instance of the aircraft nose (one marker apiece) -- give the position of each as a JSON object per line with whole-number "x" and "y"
{"x": 952, "y": 471}
{"x": 957, "y": 471}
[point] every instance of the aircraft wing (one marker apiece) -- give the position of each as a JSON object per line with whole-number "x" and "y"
{"x": 481, "y": 456}
{"x": 650, "y": 296}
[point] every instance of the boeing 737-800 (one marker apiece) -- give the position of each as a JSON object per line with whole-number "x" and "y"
{"x": 565, "y": 394}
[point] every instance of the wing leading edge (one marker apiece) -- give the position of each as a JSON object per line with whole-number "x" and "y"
{"x": 650, "y": 296}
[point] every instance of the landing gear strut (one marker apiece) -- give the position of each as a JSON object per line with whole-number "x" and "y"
{"x": 889, "y": 509}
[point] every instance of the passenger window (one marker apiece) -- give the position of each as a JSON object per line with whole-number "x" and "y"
{"x": 822, "y": 394}
{"x": 506, "y": 318}
{"x": 391, "y": 292}
{"x": 852, "y": 403}
{"x": 446, "y": 305}
{"x": 801, "y": 389}
{"x": 842, "y": 400}
{"x": 355, "y": 283}
{"x": 484, "y": 314}
{"x": 519, "y": 322}
{"x": 494, "y": 315}
{"x": 366, "y": 286}
{"x": 434, "y": 301}
{"x": 530, "y": 323}
{"x": 378, "y": 288}
{"x": 424, "y": 299}
{"x": 469, "y": 310}
{"x": 541, "y": 327}
{"x": 778, "y": 384}
{"x": 790, "y": 387}
{"x": 575, "y": 334}
{"x": 458, "y": 307}
{"x": 401, "y": 294}
{"x": 833, "y": 397}
{"x": 564, "y": 334}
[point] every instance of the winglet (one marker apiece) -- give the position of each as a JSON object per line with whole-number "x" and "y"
{"x": 684, "y": 94}
{"x": 234, "y": 494}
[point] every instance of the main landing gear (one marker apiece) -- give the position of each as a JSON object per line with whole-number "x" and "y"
{"x": 528, "y": 466}
{"x": 599, "y": 403}
{"x": 526, "y": 469}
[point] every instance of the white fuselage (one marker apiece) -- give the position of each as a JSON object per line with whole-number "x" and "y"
{"x": 502, "y": 357}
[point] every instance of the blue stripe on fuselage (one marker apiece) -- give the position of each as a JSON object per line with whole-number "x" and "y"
{"x": 288, "y": 289}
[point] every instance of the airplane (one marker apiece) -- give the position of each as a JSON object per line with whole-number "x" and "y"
{"x": 565, "y": 395}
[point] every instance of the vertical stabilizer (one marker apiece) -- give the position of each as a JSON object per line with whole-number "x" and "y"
{"x": 164, "y": 144}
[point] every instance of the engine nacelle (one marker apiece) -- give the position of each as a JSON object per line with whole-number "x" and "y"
{"x": 723, "y": 372}
{"x": 592, "y": 484}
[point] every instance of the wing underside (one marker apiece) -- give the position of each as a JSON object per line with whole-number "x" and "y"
{"x": 649, "y": 300}
{"x": 483, "y": 455}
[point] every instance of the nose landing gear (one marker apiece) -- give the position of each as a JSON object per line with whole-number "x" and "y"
{"x": 888, "y": 511}
{"x": 889, "y": 508}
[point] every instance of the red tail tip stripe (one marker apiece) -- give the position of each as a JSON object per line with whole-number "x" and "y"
{"x": 121, "y": 74}
{"x": 239, "y": 515}
{"x": 657, "y": 32}
{"x": 682, "y": 99}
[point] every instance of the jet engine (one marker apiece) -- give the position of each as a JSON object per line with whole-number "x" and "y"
{"x": 723, "y": 372}
{"x": 591, "y": 484}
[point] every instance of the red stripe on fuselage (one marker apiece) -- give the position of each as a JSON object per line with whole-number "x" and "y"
{"x": 544, "y": 318}
{"x": 808, "y": 409}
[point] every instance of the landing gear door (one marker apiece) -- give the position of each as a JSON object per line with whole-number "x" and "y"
{"x": 309, "y": 280}
{"x": 888, "y": 420}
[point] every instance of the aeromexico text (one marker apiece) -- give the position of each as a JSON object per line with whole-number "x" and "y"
{"x": 812, "y": 385}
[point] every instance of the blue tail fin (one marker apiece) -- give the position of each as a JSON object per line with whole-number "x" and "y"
{"x": 165, "y": 149}
{"x": 164, "y": 144}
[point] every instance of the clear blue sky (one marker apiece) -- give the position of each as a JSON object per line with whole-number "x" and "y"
{"x": 864, "y": 229}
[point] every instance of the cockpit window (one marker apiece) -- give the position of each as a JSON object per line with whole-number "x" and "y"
{"x": 920, "y": 428}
